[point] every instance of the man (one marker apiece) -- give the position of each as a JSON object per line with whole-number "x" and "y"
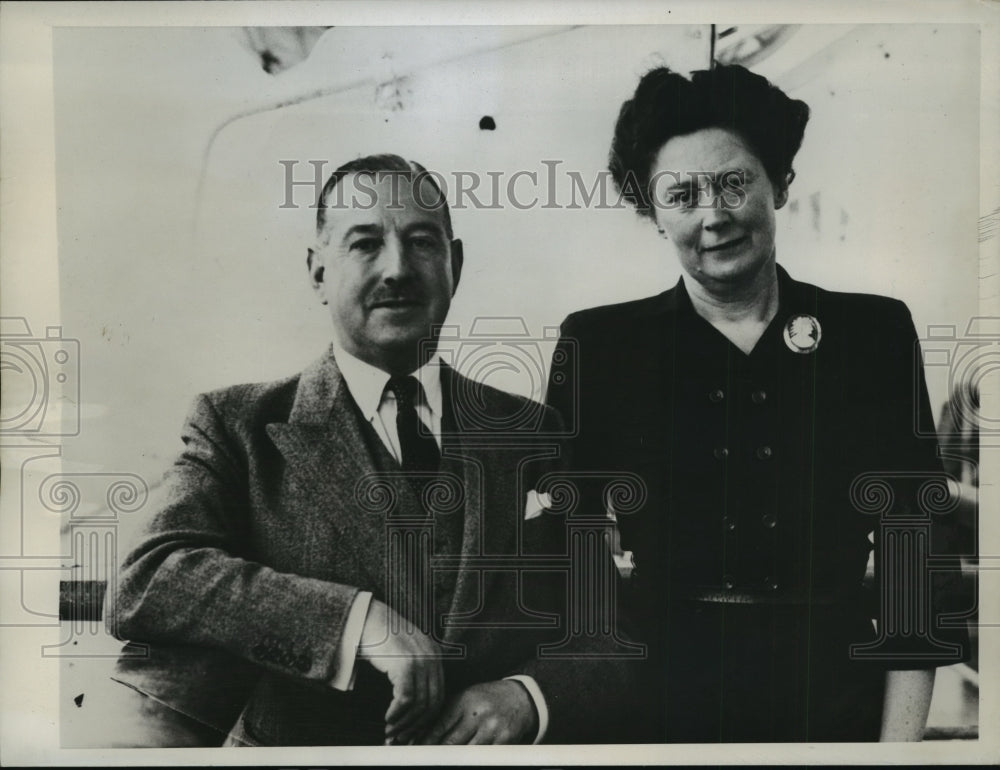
{"x": 312, "y": 560}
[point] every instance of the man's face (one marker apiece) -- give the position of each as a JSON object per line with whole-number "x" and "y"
{"x": 387, "y": 270}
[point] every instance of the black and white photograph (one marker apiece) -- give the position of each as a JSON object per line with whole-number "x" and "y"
{"x": 436, "y": 384}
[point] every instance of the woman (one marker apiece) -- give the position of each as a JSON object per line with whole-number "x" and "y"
{"x": 771, "y": 423}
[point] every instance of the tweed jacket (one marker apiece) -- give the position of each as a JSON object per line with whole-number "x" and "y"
{"x": 276, "y": 514}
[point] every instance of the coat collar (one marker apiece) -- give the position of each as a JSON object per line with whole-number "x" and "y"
{"x": 322, "y": 389}
{"x": 793, "y": 296}
{"x": 319, "y": 391}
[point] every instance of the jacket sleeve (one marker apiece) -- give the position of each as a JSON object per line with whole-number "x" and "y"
{"x": 921, "y": 617}
{"x": 588, "y": 670}
{"x": 193, "y": 580}
{"x": 568, "y": 394}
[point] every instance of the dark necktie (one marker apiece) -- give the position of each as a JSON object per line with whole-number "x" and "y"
{"x": 417, "y": 445}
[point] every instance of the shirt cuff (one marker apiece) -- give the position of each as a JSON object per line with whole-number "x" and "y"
{"x": 538, "y": 699}
{"x": 347, "y": 653}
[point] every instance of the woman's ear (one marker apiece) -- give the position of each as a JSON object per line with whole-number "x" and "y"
{"x": 781, "y": 193}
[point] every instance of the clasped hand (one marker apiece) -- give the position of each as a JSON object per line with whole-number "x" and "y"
{"x": 491, "y": 712}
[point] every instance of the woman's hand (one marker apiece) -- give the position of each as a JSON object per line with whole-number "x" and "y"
{"x": 907, "y": 700}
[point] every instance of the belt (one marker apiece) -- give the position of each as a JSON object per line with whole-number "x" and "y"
{"x": 714, "y": 595}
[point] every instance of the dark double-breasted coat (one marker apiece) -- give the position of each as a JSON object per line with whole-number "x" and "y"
{"x": 771, "y": 482}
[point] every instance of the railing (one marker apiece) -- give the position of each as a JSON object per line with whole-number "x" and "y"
{"x": 83, "y": 600}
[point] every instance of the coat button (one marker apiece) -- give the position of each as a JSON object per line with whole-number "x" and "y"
{"x": 764, "y": 453}
{"x": 729, "y": 523}
{"x": 769, "y": 520}
{"x": 715, "y": 396}
{"x": 758, "y": 397}
{"x": 770, "y": 584}
{"x": 721, "y": 453}
{"x": 728, "y": 582}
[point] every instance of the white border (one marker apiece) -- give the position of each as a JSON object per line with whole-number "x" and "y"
{"x": 29, "y": 286}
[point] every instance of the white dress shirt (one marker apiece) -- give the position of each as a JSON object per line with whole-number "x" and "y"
{"x": 366, "y": 384}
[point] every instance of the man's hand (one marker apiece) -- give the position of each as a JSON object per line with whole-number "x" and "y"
{"x": 492, "y": 712}
{"x": 412, "y": 661}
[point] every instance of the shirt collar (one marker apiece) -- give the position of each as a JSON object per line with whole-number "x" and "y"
{"x": 366, "y": 383}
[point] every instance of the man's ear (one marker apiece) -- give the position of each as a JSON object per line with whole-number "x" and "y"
{"x": 457, "y": 259}
{"x": 315, "y": 265}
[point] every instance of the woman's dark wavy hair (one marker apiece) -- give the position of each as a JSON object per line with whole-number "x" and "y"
{"x": 666, "y": 105}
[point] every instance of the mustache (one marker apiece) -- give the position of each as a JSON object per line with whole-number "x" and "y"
{"x": 400, "y": 293}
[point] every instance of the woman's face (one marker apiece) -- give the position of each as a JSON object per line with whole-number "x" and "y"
{"x": 714, "y": 200}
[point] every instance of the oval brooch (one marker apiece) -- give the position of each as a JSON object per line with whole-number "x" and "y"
{"x": 802, "y": 333}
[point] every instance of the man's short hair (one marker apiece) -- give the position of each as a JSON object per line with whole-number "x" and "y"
{"x": 379, "y": 166}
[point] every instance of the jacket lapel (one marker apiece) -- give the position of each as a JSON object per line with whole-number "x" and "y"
{"x": 329, "y": 472}
{"x": 331, "y": 477}
{"x": 456, "y": 464}
{"x": 490, "y": 527}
